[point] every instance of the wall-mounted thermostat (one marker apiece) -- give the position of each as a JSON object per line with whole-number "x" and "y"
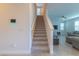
{"x": 12, "y": 20}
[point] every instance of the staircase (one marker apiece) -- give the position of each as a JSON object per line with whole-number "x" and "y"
{"x": 40, "y": 42}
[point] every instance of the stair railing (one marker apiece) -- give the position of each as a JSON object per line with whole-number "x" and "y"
{"x": 49, "y": 30}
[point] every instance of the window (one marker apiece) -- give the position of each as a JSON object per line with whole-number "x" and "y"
{"x": 61, "y": 26}
{"x": 76, "y": 25}
{"x": 38, "y": 11}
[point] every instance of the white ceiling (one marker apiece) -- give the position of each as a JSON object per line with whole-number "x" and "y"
{"x": 39, "y": 5}
{"x": 69, "y": 10}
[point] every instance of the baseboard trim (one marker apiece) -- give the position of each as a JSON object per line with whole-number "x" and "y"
{"x": 14, "y": 53}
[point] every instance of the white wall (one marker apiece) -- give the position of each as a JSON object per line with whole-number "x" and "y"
{"x": 32, "y": 22}
{"x": 33, "y": 13}
{"x": 15, "y": 38}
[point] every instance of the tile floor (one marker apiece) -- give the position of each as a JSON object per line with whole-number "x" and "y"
{"x": 64, "y": 49}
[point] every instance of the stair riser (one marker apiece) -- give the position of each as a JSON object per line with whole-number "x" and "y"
{"x": 40, "y": 25}
{"x": 40, "y": 39}
{"x": 40, "y": 45}
{"x": 40, "y": 42}
{"x": 39, "y": 34}
{"x": 40, "y": 29}
{"x": 41, "y": 48}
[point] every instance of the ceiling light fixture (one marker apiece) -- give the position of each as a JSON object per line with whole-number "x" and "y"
{"x": 63, "y": 17}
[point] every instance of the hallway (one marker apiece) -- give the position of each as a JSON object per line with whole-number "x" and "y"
{"x": 40, "y": 41}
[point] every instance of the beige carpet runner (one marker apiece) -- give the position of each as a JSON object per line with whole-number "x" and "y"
{"x": 40, "y": 42}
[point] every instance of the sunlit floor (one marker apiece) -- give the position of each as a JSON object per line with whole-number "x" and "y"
{"x": 64, "y": 49}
